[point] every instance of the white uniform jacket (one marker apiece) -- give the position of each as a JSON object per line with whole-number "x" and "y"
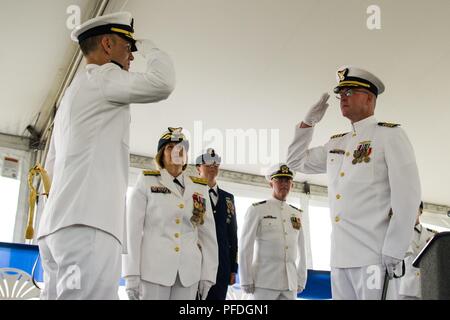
{"x": 88, "y": 158}
{"x": 272, "y": 247}
{"x": 162, "y": 240}
{"x": 362, "y": 194}
{"x": 410, "y": 283}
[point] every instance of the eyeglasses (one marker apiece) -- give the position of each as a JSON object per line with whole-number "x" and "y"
{"x": 128, "y": 47}
{"x": 349, "y": 93}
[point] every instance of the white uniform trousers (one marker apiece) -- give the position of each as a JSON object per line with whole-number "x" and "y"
{"x": 80, "y": 263}
{"x": 154, "y": 291}
{"x": 270, "y": 294}
{"x": 363, "y": 283}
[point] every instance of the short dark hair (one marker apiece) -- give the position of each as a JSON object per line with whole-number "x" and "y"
{"x": 91, "y": 44}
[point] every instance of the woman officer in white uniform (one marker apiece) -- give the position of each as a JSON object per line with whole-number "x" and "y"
{"x": 172, "y": 245}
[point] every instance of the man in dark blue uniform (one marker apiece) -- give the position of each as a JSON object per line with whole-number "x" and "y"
{"x": 224, "y": 211}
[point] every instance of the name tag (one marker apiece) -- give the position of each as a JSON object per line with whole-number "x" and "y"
{"x": 337, "y": 151}
{"x": 269, "y": 217}
{"x": 158, "y": 189}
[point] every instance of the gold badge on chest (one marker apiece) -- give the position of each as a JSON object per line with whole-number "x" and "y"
{"x": 362, "y": 152}
{"x": 230, "y": 209}
{"x": 296, "y": 223}
{"x": 198, "y": 213}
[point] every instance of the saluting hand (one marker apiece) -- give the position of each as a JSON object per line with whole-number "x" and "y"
{"x": 145, "y": 47}
{"x": 317, "y": 111}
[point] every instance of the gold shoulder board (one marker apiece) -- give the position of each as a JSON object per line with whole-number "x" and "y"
{"x": 151, "y": 173}
{"x": 198, "y": 180}
{"x": 338, "y": 135}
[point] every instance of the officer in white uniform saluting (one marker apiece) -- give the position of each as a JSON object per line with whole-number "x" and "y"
{"x": 371, "y": 170}
{"x": 82, "y": 227}
{"x": 272, "y": 259}
{"x": 172, "y": 246}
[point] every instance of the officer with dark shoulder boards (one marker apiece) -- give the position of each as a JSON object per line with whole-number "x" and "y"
{"x": 224, "y": 212}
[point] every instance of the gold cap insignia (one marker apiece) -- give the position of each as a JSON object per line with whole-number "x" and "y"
{"x": 342, "y": 74}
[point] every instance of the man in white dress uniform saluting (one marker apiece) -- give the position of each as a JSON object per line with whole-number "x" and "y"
{"x": 372, "y": 172}
{"x": 81, "y": 232}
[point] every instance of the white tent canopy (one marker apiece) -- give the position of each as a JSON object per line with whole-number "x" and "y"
{"x": 253, "y": 65}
